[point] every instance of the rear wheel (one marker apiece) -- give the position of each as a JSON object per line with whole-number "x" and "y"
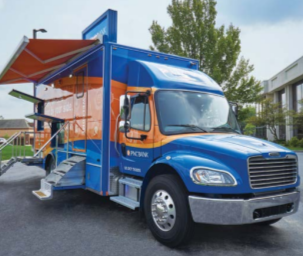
{"x": 50, "y": 165}
{"x": 269, "y": 222}
{"x": 167, "y": 211}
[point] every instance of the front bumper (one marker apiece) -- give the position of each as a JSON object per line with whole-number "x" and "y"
{"x": 241, "y": 211}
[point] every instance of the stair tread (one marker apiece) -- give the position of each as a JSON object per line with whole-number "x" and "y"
{"x": 125, "y": 202}
{"x": 131, "y": 182}
{"x": 68, "y": 173}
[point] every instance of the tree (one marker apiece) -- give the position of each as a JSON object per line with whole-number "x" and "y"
{"x": 249, "y": 129}
{"x": 194, "y": 34}
{"x": 271, "y": 115}
{"x": 245, "y": 113}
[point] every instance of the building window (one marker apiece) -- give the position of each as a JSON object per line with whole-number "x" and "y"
{"x": 282, "y": 128}
{"x": 298, "y": 98}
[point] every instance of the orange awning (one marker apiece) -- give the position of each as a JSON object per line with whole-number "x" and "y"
{"x": 35, "y": 58}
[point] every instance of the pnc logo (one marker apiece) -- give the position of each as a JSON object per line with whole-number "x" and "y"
{"x": 137, "y": 153}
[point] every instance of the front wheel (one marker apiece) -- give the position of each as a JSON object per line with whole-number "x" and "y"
{"x": 167, "y": 211}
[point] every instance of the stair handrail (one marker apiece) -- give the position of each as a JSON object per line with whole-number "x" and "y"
{"x": 55, "y": 134}
{"x": 14, "y": 136}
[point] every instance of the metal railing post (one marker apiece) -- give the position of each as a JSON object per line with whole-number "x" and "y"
{"x": 68, "y": 130}
{"x": 19, "y": 145}
{"x": 56, "y": 150}
{"x": 12, "y": 144}
{"x": 54, "y": 136}
{"x": 24, "y": 145}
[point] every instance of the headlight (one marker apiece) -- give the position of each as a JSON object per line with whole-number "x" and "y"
{"x": 212, "y": 177}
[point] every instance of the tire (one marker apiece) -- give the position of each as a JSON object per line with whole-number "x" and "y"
{"x": 269, "y": 222}
{"x": 168, "y": 193}
{"x": 50, "y": 165}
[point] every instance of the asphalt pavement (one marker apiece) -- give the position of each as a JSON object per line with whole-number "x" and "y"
{"x": 79, "y": 222}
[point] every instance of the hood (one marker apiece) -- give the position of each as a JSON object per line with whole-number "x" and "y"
{"x": 261, "y": 146}
{"x": 234, "y": 145}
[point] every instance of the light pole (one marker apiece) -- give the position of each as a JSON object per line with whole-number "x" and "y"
{"x": 35, "y": 31}
{"x": 38, "y": 30}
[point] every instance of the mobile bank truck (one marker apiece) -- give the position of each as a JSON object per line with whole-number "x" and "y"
{"x": 148, "y": 130}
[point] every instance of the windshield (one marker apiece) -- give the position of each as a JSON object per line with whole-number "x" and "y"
{"x": 188, "y": 112}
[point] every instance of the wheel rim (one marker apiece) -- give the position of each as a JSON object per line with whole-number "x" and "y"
{"x": 163, "y": 210}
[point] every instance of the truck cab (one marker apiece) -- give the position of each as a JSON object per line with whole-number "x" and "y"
{"x": 183, "y": 139}
{"x": 150, "y": 131}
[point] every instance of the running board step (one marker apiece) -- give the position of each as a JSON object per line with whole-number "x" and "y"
{"x": 45, "y": 192}
{"x": 129, "y": 193}
{"x": 129, "y": 203}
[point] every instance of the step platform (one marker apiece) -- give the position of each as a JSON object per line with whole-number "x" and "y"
{"x": 129, "y": 203}
{"x": 129, "y": 193}
{"x": 45, "y": 192}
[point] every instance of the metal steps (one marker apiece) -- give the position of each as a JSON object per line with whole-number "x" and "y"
{"x": 69, "y": 173}
{"x": 25, "y": 160}
{"x": 45, "y": 192}
{"x": 7, "y": 165}
{"x": 129, "y": 193}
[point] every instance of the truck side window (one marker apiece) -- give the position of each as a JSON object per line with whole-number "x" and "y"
{"x": 80, "y": 84}
{"x": 140, "y": 113}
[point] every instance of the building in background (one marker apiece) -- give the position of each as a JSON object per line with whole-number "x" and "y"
{"x": 8, "y": 127}
{"x": 286, "y": 87}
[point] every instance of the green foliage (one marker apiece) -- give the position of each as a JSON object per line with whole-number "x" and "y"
{"x": 249, "y": 129}
{"x": 245, "y": 113}
{"x": 194, "y": 34}
{"x": 272, "y": 115}
{"x": 6, "y": 136}
{"x": 300, "y": 144}
{"x": 7, "y": 152}
{"x": 294, "y": 141}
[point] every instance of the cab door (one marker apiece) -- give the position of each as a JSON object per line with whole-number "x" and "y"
{"x": 80, "y": 110}
{"x": 137, "y": 155}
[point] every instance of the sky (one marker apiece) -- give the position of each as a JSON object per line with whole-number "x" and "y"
{"x": 271, "y": 30}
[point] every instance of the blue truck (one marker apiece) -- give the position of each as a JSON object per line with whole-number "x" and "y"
{"x": 148, "y": 130}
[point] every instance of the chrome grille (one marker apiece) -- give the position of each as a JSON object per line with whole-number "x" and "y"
{"x": 274, "y": 172}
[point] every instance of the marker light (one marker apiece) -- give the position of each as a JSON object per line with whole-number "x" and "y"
{"x": 212, "y": 177}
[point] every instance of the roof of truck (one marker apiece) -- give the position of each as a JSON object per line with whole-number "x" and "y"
{"x": 149, "y": 74}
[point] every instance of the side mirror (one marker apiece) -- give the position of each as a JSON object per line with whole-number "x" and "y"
{"x": 125, "y": 109}
{"x": 124, "y": 126}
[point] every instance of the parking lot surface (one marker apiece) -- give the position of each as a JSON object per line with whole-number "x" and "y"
{"x": 78, "y": 222}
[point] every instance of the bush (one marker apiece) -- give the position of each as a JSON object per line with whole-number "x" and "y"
{"x": 301, "y": 143}
{"x": 294, "y": 141}
{"x": 249, "y": 129}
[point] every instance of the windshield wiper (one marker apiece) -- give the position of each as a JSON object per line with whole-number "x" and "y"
{"x": 189, "y": 125}
{"x": 225, "y": 128}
